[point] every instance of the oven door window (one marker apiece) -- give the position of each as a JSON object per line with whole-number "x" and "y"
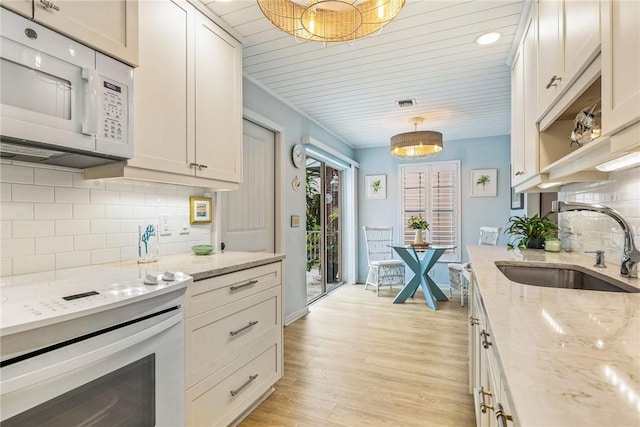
{"x": 125, "y": 397}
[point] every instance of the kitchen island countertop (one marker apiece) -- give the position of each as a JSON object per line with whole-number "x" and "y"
{"x": 569, "y": 357}
{"x": 202, "y": 267}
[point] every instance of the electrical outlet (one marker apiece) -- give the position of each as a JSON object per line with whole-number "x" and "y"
{"x": 165, "y": 230}
{"x": 185, "y": 228}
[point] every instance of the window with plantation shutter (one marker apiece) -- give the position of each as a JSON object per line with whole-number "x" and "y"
{"x": 432, "y": 191}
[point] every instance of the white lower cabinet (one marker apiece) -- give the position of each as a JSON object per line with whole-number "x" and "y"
{"x": 233, "y": 344}
{"x": 222, "y": 397}
{"x": 491, "y": 396}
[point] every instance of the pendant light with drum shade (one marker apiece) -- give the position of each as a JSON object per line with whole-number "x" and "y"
{"x": 416, "y": 144}
{"x": 330, "y": 20}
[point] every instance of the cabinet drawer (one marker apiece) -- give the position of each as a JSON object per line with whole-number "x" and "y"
{"x": 216, "y": 338}
{"x": 222, "y": 397}
{"x": 217, "y": 291}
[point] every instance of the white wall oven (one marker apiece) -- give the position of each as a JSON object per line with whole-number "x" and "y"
{"x": 92, "y": 347}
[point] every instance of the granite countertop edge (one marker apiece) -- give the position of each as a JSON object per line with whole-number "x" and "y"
{"x": 569, "y": 357}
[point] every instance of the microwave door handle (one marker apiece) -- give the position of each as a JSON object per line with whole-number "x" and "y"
{"x": 91, "y": 101}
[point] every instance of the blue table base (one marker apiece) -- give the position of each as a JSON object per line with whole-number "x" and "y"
{"x": 421, "y": 268}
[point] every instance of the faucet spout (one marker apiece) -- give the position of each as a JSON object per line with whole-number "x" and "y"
{"x": 630, "y": 254}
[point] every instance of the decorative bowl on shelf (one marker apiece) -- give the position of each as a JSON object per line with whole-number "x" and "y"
{"x": 202, "y": 249}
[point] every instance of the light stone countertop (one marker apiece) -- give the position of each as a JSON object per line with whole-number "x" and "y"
{"x": 570, "y": 357}
{"x": 205, "y": 266}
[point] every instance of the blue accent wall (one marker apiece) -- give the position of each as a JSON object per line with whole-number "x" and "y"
{"x": 477, "y": 153}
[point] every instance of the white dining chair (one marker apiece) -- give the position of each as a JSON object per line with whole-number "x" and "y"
{"x": 460, "y": 273}
{"x": 384, "y": 270}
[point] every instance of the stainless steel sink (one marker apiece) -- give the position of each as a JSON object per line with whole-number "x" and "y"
{"x": 561, "y": 277}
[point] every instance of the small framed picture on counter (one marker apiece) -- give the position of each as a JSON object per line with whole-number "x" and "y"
{"x": 200, "y": 209}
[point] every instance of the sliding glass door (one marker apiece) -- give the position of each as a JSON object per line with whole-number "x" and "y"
{"x": 324, "y": 228}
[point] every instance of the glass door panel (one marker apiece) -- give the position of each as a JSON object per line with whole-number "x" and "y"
{"x": 324, "y": 228}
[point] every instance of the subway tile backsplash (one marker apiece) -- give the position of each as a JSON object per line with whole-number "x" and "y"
{"x": 52, "y": 218}
{"x": 590, "y": 231}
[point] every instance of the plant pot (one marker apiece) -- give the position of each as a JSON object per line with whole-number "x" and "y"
{"x": 535, "y": 243}
{"x": 419, "y": 238}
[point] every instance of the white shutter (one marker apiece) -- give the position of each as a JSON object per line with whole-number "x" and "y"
{"x": 432, "y": 190}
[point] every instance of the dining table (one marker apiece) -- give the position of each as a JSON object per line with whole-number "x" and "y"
{"x": 421, "y": 267}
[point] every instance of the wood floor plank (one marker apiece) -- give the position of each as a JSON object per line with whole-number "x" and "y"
{"x": 359, "y": 360}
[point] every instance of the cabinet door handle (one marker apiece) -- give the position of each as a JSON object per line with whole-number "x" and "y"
{"x": 483, "y": 405}
{"x": 554, "y": 81}
{"x": 485, "y": 342}
{"x": 193, "y": 165}
{"x": 202, "y": 166}
{"x": 473, "y": 321}
{"x": 501, "y": 417}
{"x": 249, "y": 283}
{"x": 239, "y": 389}
{"x": 244, "y": 328}
{"x": 519, "y": 173}
{"x": 49, "y": 5}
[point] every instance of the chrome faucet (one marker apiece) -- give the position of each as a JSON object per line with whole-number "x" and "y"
{"x": 630, "y": 255}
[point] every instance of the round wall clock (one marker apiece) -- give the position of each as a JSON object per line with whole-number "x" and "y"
{"x": 297, "y": 155}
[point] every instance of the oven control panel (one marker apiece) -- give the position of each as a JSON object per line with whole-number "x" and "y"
{"x": 35, "y": 300}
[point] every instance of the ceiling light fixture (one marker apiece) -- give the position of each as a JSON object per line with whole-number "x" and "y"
{"x": 488, "y": 38}
{"x": 416, "y": 144}
{"x": 330, "y": 20}
{"x": 623, "y": 162}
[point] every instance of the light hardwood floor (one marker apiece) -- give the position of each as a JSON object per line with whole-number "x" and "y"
{"x": 359, "y": 360}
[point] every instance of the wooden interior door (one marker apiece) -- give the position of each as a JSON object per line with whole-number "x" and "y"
{"x": 248, "y": 219}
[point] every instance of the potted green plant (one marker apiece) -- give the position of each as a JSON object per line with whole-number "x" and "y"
{"x": 531, "y": 232}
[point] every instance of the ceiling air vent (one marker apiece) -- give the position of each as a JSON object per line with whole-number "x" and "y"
{"x": 406, "y": 103}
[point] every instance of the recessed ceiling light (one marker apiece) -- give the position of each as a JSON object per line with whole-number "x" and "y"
{"x": 488, "y": 38}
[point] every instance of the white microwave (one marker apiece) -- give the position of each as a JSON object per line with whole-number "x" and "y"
{"x": 62, "y": 103}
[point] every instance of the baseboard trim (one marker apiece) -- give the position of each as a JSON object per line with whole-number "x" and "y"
{"x": 296, "y": 315}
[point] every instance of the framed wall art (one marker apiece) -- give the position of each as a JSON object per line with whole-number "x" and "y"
{"x": 517, "y": 200}
{"x": 376, "y": 186}
{"x": 484, "y": 182}
{"x": 200, "y": 209}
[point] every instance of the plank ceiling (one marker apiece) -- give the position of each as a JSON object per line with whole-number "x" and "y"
{"x": 427, "y": 54}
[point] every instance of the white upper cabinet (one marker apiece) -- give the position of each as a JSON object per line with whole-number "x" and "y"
{"x": 524, "y": 132}
{"x": 110, "y": 26}
{"x": 620, "y": 65}
{"x": 517, "y": 118}
{"x": 188, "y": 101}
{"x": 164, "y": 136}
{"x": 568, "y": 41}
{"x": 218, "y": 103}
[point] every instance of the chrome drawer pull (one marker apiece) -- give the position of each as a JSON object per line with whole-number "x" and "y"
{"x": 483, "y": 405}
{"x": 553, "y": 81}
{"x": 239, "y": 389}
{"x": 244, "y": 328}
{"x": 249, "y": 283}
{"x": 49, "y": 5}
{"x": 485, "y": 342}
{"x": 502, "y": 417}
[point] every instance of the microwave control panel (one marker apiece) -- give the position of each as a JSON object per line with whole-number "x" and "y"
{"x": 114, "y": 114}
